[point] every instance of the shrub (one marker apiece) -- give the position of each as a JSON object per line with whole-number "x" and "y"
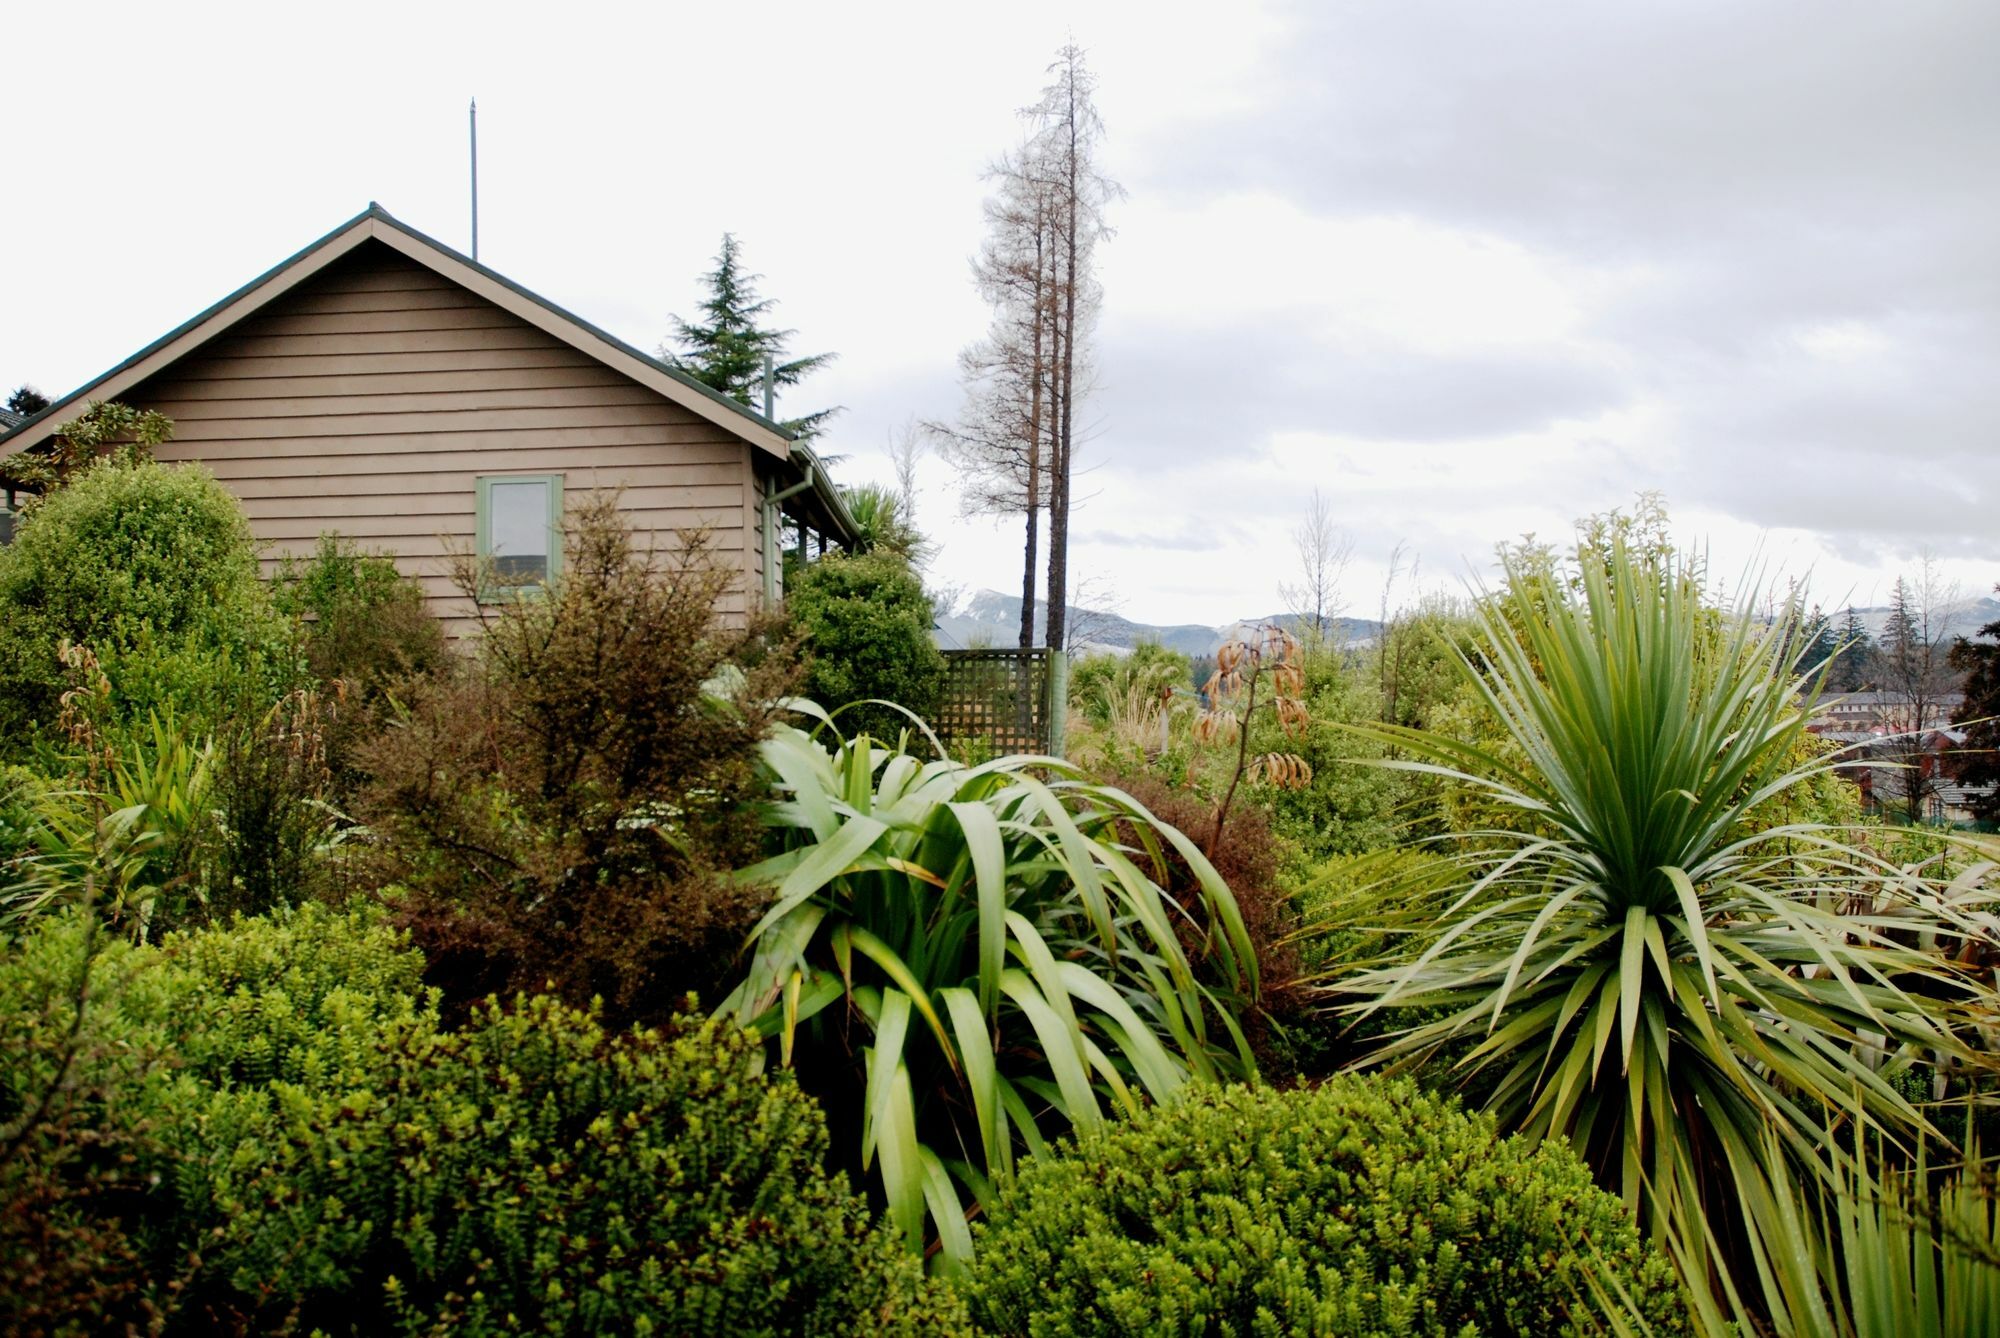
{"x": 151, "y": 566}
{"x": 535, "y": 1172}
{"x": 1357, "y": 1207}
{"x": 362, "y": 621}
{"x": 555, "y": 810}
{"x": 77, "y": 1144}
{"x": 1247, "y": 859}
{"x": 322, "y": 1155}
{"x": 964, "y": 961}
{"x": 866, "y": 624}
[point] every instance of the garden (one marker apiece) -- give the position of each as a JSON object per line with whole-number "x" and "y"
{"x": 1526, "y": 971}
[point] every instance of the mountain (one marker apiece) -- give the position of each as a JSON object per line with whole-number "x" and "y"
{"x": 990, "y": 618}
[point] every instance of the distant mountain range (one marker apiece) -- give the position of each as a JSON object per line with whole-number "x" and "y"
{"x": 990, "y": 618}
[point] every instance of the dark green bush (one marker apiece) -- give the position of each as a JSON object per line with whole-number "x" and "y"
{"x": 865, "y": 623}
{"x": 263, "y": 1127}
{"x": 153, "y": 567}
{"x": 1358, "y": 1207}
{"x": 561, "y": 810}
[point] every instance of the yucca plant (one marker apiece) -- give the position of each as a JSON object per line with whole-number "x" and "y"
{"x": 1864, "y": 1253}
{"x": 964, "y": 962}
{"x": 1623, "y": 966}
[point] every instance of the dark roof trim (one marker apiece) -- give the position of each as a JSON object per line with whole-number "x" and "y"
{"x": 376, "y": 222}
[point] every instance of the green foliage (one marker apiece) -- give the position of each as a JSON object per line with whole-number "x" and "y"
{"x": 962, "y": 961}
{"x": 362, "y": 622}
{"x": 154, "y": 569}
{"x": 866, "y": 625}
{"x": 557, "y": 810}
{"x": 878, "y": 516}
{"x": 76, "y": 1144}
{"x": 104, "y": 427}
{"x": 726, "y": 347}
{"x": 327, "y": 1157}
{"x": 1356, "y": 1207}
{"x": 1100, "y": 684}
{"x": 1643, "y": 980}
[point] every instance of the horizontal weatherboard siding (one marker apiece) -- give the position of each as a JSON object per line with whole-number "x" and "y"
{"x": 370, "y": 399}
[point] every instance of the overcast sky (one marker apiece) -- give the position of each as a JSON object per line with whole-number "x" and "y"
{"x": 1472, "y": 269}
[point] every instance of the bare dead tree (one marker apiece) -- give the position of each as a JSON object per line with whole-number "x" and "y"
{"x": 1914, "y": 663}
{"x": 905, "y": 448}
{"x": 1324, "y": 550}
{"x": 997, "y": 442}
{"x": 1068, "y": 131}
{"x": 1094, "y": 608}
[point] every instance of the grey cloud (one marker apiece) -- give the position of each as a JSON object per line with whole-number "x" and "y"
{"x": 1185, "y": 394}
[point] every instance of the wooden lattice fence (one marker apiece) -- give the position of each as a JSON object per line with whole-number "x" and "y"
{"x": 1000, "y": 696}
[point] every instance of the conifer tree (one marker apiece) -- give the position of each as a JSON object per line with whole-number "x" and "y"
{"x": 725, "y": 347}
{"x": 1851, "y": 672}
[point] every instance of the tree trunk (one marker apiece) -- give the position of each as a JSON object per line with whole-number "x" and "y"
{"x": 1071, "y": 207}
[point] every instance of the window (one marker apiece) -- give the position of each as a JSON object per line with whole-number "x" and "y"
{"x": 520, "y": 531}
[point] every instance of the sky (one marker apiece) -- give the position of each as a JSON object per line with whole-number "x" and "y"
{"x": 1470, "y": 270}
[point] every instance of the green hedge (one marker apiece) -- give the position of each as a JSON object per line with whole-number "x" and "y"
{"x": 329, "y": 1158}
{"x": 1361, "y": 1206}
{"x": 864, "y": 624}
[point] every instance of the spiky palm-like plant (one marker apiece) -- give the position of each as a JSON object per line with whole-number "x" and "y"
{"x": 965, "y": 962}
{"x": 1623, "y": 966}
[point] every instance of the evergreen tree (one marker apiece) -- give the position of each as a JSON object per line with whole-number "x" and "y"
{"x": 1821, "y": 641}
{"x": 27, "y": 401}
{"x": 724, "y": 348}
{"x": 1853, "y": 670}
{"x": 1979, "y": 761}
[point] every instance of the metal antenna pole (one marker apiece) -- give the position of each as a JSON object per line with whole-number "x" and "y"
{"x": 473, "y": 117}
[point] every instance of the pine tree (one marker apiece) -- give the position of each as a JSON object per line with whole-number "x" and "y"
{"x": 1821, "y": 642}
{"x": 1978, "y": 762}
{"x": 1853, "y": 671}
{"x": 726, "y": 347}
{"x": 27, "y": 401}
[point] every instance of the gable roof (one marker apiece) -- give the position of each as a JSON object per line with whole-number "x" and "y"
{"x": 375, "y": 224}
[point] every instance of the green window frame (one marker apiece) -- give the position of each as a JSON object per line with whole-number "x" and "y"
{"x": 494, "y": 587}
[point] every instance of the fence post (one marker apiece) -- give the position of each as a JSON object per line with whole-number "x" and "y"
{"x": 1056, "y": 713}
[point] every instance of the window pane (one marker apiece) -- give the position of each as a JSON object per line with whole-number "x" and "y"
{"x": 518, "y": 529}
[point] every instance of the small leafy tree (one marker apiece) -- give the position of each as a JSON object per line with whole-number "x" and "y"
{"x": 726, "y": 346}
{"x": 865, "y": 625}
{"x": 105, "y": 427}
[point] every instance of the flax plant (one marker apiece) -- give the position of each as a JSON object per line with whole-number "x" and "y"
{"x": 966, "y": 962}
{"x": 1627, "y": 964}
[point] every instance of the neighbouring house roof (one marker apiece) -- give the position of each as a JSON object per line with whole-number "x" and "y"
{"x": 376, "y": 224}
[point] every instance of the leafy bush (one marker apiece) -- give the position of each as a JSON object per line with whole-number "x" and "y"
{"x": 555, "y": 810}
{"x": 362, "y": 621}
{"x": 152, "y": 567}
{"x": 77, "y": 1145}
{"x": 1357, "y": 1207}
{"x": 866, "y": 625}
{"x": 963, "y": 960}
{"x": 327, "y": 1157}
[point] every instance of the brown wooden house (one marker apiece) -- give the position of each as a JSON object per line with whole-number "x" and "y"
{"x": 384, "y": 387}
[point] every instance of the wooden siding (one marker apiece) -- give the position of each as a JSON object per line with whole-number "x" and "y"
{"x": 369, "y": 399}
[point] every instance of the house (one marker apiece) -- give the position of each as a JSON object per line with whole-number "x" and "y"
{"x": 381, "y": 385}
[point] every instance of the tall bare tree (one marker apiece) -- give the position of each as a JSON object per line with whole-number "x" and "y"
{"x": 1014, "y": 439}
{"x": 997, "y": 442}
{"x": 1913, "y": 664}
{"x": 1067, "y": 134}
{"x": 1324, "y": 551}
